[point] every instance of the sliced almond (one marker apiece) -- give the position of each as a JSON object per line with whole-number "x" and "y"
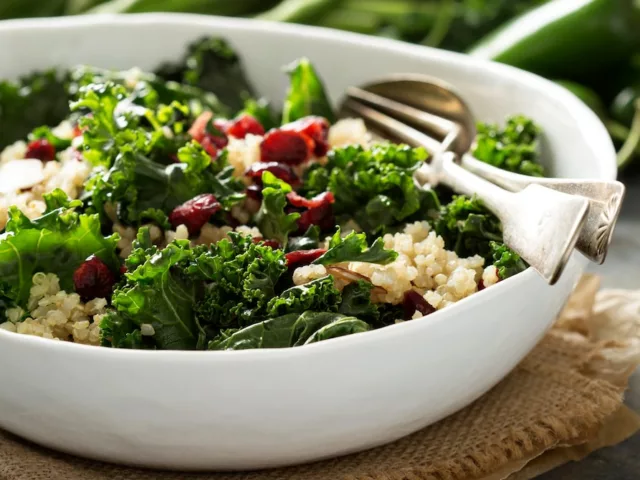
{"x": 347, "y": 276}
{"x": 17, "y": 175}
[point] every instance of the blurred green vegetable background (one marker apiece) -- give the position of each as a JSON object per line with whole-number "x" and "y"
{"x": 591, "y": 47}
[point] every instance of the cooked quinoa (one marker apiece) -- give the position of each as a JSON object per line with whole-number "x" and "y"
{"x": 166, "y": 224}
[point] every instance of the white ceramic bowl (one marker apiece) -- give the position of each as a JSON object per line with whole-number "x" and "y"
{"x": 264, "y": 408}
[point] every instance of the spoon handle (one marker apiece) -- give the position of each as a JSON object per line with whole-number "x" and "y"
{"x": 605, "y": 201}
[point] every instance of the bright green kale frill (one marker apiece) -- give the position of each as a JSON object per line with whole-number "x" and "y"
{"x": 57, "y": 242}
{"x": 374, "y": 187}
{"x": 354, "y": 248}
{"x": 513, "y": 148}
{"x": 272, "y": 220}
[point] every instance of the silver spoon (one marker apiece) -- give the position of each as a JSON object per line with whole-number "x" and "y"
{"x": 434, "y": 107}
{"x": 540, "y": 224}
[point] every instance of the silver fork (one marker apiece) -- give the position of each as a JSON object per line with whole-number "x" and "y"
{"x": 540, "y": 224}
{"x": 411, "y": 98}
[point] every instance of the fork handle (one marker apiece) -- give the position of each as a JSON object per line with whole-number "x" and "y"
{"x": 605, "y": 201}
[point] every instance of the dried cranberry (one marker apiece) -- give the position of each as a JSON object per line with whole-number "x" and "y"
{"x": 319, "y": 210}
{"x": 317, "y": 201}
{"x": 242, "y": 125}
{"x": 413, "y": 302}
{"x": 300, "y": 258}
{"x": 41, "y": 149}
{"x": 316, "y": 128}
{"x": 282, "y": 146}
{"x": 209, "y": 146}
{"x": 267, "y": 243}
{"x": 321, "y": 216}
{"x": 194, "y": 213}
{"x": 77, "y": 131}
{"x": 481, "y": 285}
{"x": 280, "y": 170}
{"x": 254, "y": 192}
{"x": 123, "y": 269}
{"x": 93, "y": 279}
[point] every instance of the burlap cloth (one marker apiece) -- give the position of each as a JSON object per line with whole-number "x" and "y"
{"x": 562, "y": 402}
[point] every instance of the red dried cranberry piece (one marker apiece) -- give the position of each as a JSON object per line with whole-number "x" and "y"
{"x": 123, "y": 269}
{"x": 413, "y": 301}
{"x": 280, "y": 170}
{"x": 481, "y": 285}
{"x": 317, "y": 201}
{"x": 267, "y": 243}
{"x": 41, "y": 149}
{"x": 282, "y": 146}
{"x": 319, "y": 210}
{"x": 93, "y": 279}
{"x": 321, "y": 216}
{"x": 316, "y": 128}
{"x": 300, "y": 258}
{"x": 209, "y": 146}
{"x": 254, "y": 192}
{"x": 242, "y": 125}
{"x": 194, "y": 213}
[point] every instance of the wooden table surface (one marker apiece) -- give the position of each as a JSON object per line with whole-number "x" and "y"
{"x": 621, "y": 270}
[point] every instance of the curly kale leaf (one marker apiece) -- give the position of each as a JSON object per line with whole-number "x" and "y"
{"x": 319, "y": 295}
{"x": 157, "y": 293}
{"x": 306, "y": 95}
{"x": 119, "y": 331}
{"x": 141, "y": 189}
{"x": 467, "y": 227}
{"x": 289, "y": 330}
{"x": 506, "y": 260}
{"x": 354, "y": 248}
{"x": 57, "y": 242}
{"x": 31, "y": 101}
{"x": 374, "y": 187}
{"x": 212, "y": 65}
{"x": 513, "y": 148}
{"x": 240, "y": 278}
{"x": 147, "y": 89}
{"x": 44, "y": 132}
{"x": 356, "y": 302}
{"x": 273, "y": 222}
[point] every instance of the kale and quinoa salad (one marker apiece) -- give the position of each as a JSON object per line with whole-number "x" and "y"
{"x": 176, "y": 210}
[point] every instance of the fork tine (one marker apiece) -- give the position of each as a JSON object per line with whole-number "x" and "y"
{"x": 394, "y": 127}
{"x": 439, "y": 126}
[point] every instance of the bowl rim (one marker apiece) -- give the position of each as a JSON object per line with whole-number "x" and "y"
{"x": 588, "y": 119}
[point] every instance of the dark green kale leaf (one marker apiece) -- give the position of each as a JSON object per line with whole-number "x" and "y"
{"x": 513, "y": 148}
{"x": 119, "y": 331}
{"x": 506, "y": 260}
{"x": 240, "y": 278}
{"x": 306, "y": 95}
{"x": 34, "y": 100}
{"x": 141, "y": 189}
{"x": 272, "y": 333}
{"x": 339, "y": 328}
{"x": 319, "y": 295}
{"x": 273, "y": 222}
{"x": 158, "y": 293}
{"x": 289, "y": 330}
{"x": 467, "y": 227}
{"x": 212, "y": 65}
{"x": 356, "y": 302}
{"x": 374, "y": 187}
{"x": 354, "y": 248}
{"x": 57, "y": 242}
{"x": 308, "y": 241}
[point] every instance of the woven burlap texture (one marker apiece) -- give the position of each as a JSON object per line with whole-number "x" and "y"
{"x": 554, "y": 397}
